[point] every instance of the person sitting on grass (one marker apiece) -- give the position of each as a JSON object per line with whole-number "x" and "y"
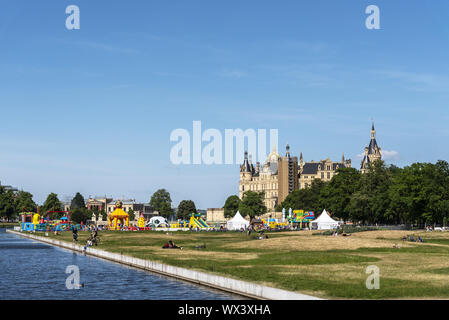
{"x": 262, "y": 235}
{"x": 170, "y": 245}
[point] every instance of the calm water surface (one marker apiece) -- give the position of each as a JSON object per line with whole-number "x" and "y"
{"x": 33, "y": 270}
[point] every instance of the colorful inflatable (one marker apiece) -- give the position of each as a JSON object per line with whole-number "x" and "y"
{"x": 197, "y": 222}
{"x": 302, "y": 216}
{"x": 118, "y": 218}
{"x": 141, "y": 222}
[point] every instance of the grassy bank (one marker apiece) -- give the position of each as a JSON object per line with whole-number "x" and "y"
{"x": 8, "y": 224}
{"x": 318, "y": 265}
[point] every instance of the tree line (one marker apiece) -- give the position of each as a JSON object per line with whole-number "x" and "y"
{"x": 416, "y": 194}
{"x": 12, "y": 203}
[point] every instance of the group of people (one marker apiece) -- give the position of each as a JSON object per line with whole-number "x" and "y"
{"x": 412, "y": 238}
{"x": 92, "y": 240}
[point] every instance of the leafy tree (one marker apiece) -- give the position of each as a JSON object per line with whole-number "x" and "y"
{"x": 77, "y": 201}
{"x": 25, "y": 202}
{"x": 336, "y": 195}
{"x": 161, "y": 202}
{"x": 165, "y": 210}
{"x": 52, "y": 203}
{"x": 420, "y": 193}
{"x": 252, "y": 204}
{"x": 7, "y": 204}
{"x": 103, "y": 214}
{"x": 131, "y": 214}
{"x": 231, "y": 206}
{"x": 79, "y": 215}
{"x": 89, "y": 213}
{"x": 185, "y": 208}
{"x": 370, "y": 203}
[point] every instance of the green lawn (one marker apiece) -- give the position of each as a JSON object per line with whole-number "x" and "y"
{"x": 323, "y": 266}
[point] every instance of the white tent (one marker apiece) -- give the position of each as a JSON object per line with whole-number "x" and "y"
{"x": 324, "y": 221}
{"x": 238, "y": 222}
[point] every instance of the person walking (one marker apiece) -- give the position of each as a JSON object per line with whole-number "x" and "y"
{"x": 75, "y": 235}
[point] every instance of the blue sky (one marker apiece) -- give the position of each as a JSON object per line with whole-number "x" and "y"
{"x": 91, "y": 110}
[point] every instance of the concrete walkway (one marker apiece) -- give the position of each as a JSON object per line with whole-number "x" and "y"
{"x": 247, "y": 289}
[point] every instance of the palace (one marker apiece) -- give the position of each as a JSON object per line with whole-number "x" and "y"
{"x": 279, "y": 176}
{"x": 324, "y": 170}
{"x": 372, "y": 152}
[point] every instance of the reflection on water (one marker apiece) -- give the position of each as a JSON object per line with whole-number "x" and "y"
{"x": 33, "y": 270}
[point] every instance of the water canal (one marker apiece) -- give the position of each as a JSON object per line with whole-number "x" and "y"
{"x": 37, "y": 271}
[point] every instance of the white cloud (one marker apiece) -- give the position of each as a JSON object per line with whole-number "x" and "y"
{"x": 390, "y": 155}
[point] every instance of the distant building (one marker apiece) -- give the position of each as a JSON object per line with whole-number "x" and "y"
{"x": 9, "y": 188}
{"x": 372, "y": 152}
{"x": 279, "y": 176}
{"x": 66, "y": 206}
{"x": 98, "y": 203}
{"x": 215, "y": 215}
{"x": 324, "y": 170}
{"x": 108, "y": 205}
{"x": 287, "y": 175}
{"x": 127, "y": 205}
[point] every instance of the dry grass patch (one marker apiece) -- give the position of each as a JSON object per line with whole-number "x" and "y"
{"x": 307, "y": 242}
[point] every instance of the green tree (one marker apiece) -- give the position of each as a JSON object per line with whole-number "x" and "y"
{"x": 420, "y": 193}
{"x": 77, "y": 201}
{"x": 336, "y": 195}
{"x": 370, "y": 202}
{"x": 231, "y": 206}
{"x": 89, "y": 213}
{"x": 252, "y": 204}
{"x": 52, "y": 203}
{"x": 79, "y": 215}
{"x": 7, "y": 204}
{"x": 165, "y": 210}
{"x": 185, "y": 208}
{"x": 103, "y": 214}
{"x": 131, "y": 214}
{"x": 25, "y": 202}
{"x": 161, "y": 202}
